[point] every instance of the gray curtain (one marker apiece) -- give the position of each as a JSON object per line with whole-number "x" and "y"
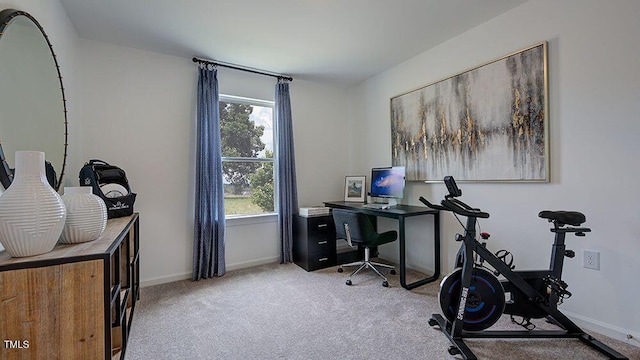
{"x": 209, "y": 226}
{"x": 287, "y": 189}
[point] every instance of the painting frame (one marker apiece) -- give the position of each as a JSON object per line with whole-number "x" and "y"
{"x": 354, "y": 188}
{"x": 489, "y": 123}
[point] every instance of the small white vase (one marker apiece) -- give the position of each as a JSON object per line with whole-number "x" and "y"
{"x": 32, "y": 214}
{"x": 86, "y": 215}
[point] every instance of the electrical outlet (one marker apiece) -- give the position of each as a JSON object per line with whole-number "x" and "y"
{"x": 591, "y": 259}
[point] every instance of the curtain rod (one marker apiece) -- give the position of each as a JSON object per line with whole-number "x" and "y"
{"x": 235, "y": 67}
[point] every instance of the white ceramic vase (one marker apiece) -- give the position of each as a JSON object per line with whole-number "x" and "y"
{"x": 32, "y": 214}
{"x": 86, "y": 215}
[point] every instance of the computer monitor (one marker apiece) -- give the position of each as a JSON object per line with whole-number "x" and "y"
{"x": 388, "y": 182}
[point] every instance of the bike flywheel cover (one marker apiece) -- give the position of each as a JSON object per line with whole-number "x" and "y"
{"x": 485, "y": 299}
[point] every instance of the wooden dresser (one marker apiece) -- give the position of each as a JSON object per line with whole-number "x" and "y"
{"x": 75, "y": 302}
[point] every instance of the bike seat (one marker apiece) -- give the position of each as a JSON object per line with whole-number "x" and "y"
{"x": 572, "y": 218}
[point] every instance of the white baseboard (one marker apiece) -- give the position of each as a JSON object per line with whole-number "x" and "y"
{"x": 164, "y": 279}
{"x": 612, "y": 331}
{"x": 252, "y": 263}
{"x": 187, "y": 275}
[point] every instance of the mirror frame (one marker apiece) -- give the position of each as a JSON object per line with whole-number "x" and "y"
{"x": 5, "y": 18}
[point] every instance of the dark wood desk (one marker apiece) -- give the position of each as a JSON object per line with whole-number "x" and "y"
{"x": 400, "y": 212}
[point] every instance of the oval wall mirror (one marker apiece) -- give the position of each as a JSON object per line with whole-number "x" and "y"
{"x": 33, "y": 110}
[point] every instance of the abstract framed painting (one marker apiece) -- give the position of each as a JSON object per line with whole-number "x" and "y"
{"x": 489, "y": 123}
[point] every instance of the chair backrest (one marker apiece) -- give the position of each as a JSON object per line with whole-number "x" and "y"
{"x": 360, "y": 227}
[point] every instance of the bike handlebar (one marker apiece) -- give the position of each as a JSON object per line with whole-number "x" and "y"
{"x": 430, "y": 205}
{"x": 456, "y": 206}
{"x": 450, "y": 203}
{"x": 463, "y": 209}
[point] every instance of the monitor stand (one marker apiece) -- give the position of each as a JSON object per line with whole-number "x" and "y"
{"x": 388, "y": 201}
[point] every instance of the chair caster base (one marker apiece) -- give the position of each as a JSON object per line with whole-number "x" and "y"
{"x": 385, "y": 283}
{"x": 392, "y": 272}
{"x": 348, "y": 282}
{"x": 340, "y": 270}
{"x": 453, "y": 350}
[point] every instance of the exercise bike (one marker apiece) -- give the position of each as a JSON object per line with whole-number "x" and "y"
{"x": 472, "y": 298}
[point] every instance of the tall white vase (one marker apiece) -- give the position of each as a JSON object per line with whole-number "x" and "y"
{"x": 86, "y": 215}
{"x": 32, "y": 214}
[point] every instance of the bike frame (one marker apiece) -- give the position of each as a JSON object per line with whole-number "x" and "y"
{"x": 470, "y": 246}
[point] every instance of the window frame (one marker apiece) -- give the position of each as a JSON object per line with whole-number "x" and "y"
{"x": 241, "y": 219}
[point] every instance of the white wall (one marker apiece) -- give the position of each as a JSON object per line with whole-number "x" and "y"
{"x": 138, "y": 112}
{"x": 594, "y": 75}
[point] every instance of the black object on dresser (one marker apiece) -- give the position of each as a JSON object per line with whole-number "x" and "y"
{"x": 314, "y": 244}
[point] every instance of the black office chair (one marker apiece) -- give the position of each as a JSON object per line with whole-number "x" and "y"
{"x": 357, "y": 229}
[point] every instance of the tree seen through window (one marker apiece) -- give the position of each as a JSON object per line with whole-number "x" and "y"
{"x": 246, "y": 131}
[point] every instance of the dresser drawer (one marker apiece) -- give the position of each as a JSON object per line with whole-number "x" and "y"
{"x": 320, "y": 262}
{"x": 320, "y": 226}
{"x": 321, "y": 245}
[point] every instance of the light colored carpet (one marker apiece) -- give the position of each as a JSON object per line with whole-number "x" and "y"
{"x": 283, "y": 312}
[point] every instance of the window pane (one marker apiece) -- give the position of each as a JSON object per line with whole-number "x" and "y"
{"x": 249, "y": 190}
{"x": 246, "y": 130}
{"x": 263, "y": 116}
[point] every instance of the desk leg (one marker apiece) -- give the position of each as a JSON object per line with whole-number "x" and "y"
{"x": 436, "y": 254}
{"x": 436, "y": 245}
{"x": 403, "y": 251}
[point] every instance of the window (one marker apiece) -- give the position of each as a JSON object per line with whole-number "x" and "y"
{"x": 247, "y": 137}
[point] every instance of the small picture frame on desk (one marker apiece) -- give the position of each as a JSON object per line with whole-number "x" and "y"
{"x": 354, "y": 187}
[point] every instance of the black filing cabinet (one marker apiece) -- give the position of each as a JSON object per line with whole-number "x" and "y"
{"x": 314, "y": 242}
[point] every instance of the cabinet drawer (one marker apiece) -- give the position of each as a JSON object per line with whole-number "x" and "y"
{"x": 321, "y": 261}
{"x": 320, "y": 225}
{"x": 321, "y": 245}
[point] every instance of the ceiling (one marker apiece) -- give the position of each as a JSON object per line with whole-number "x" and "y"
{"x": 338, "y": 42}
